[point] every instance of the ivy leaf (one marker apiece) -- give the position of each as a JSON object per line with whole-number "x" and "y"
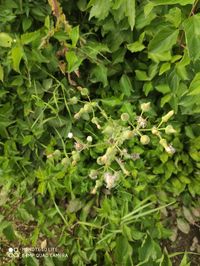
{"x": 192, "y": 33}
{"x": 162, "y": 42}
{"x": 100, "y": 8}
{"x": 123, "y": 250}
{"x": 99, "y": 74}
{"x": 29, "y": 37}
{"x": 126, "y": 86}
{"x": 73, "y": 61}
{"x": 173, "y": 2}
{"x": 194, "y": 88}
{"x": 5, "y": 40}
{"x": 74, "y": 35}
{"x": 130, "y": 12}
{"x": 16, "y": 55}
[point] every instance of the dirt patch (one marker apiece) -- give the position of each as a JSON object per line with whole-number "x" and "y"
{"x": 185, "y": 242}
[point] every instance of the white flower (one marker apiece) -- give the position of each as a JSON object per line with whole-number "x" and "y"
{"x": 110, "y": 179}
{"x": 170, "y": 149}
{"x": 70, "y": 135}
{"x": 141, "y": 122}
{"x": 89, "y": 138}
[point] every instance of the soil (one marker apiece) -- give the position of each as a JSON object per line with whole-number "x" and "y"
{"x": 185, "y": 242}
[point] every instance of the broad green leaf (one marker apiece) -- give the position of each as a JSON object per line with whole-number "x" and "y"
{"x": 5, "y": 40}
{"x": 16, "y": 55}
{"x": 165, "y": 99}
{"x": 163, "y": 88}
{"x": 29, "y": 37}
{"x": 184, "y": 261}
{"x": 73, "y": 61}
{"x": 125, "y": 84}
{"x": 1, "y": 73}
{"x": 174, "y": 16}
{"x": 141, "y": 75}
{"x": 194, "y": 88}
{"x": 163, "y": 41}
{"x": 130, "y": 12}
{"x": 123, "y": 250}
{"x": 192, "y": 33}
{"x": 135, "y": 47}
{"x": 74, "y": 35}
{"x": 181, "y": 66}
{"x": 26, "y": 23}
{"x": 113, "y": 101}
{"x": 100, "y": 8}
{"x": 164, "y": 68}
{"x": 99, "y": 74}
{"x": 148, "y": 87}
{"x": 172, "y": 2}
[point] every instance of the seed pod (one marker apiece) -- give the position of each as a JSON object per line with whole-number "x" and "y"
{"x": 84, "y": 91}
{"x": 145, "y": 107}
{"x": 87, "y": 107}
{"x": 144, "y": 139}
{"x": 170, "y": 130}
{"x": 163, "y": 143}
{"x": 57, "y": 153}
{"x": 125, "y": 117}
{"x": 73, "y": 100}
{"x": 155, "y": 131}
{"x": 101, "y": 160}
{"x": 166, "y": 117}
{"x": 65, "y": 161}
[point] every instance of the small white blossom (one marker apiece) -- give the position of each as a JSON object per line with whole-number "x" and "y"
{"x": 89, "y": 138}
{"x": 170, "y": 149}
{"x": 141, "y": 122}
{"x": 110, "y": 179}
{"x": 70, "y": 135}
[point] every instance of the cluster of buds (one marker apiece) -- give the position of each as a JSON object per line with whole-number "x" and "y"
{"x": 116, "y": 133}
{"x": 108, "y": 157}
{"x": 86, "y": 109}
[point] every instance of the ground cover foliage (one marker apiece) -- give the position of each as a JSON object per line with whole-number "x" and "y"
{"x": 99, "y": 130}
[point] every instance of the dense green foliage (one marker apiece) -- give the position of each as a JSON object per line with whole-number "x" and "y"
{"x": 99, "y": 128}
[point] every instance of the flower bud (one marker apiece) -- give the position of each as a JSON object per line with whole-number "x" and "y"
{"x": 65, "y": 161}
{"x": 145, "y": 107}
{"x": 93, "y": 174}
{"x": 155, "y": 131}
{"x": 79, "y": 146}
{"x": 87, "y": 107}
{"x": 77, "y": 116}
{"x": 127, "y": 134}
{"x": 70, "y": 135}
{"x": 125, "y": 117}
{"x": 166, "y": 117}
{"x": 102, "y": 160}
{"x": 170, "y": 130}
{"x": 163, "y": 143}
{"x": 144, "y": 139}
{"x": 75, "y": 156}
{"x": 73, "y": 100}
{"x": 89, "y": 139}
{"x": 57, "y": 153}
{"x": 84, "y": 92}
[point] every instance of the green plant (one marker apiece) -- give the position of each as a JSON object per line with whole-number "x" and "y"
{"x": 91, "y": 154}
